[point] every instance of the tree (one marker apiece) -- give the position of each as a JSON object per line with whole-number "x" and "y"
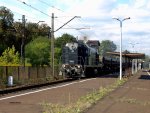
{"x": 33, "y": 30}
{"x": 6, "y": 30}
{"x": 126, "y": 52}
{"x": 58, "y": 53}
{"x": 38, "y": 51}
{"x": 107, "y": 46}
{"x": 43, "y": 30}
{"x": 146, "y": 61}
{"x": 65, "y": 38}
{"x": 10, "y": 57}
{"x": 6, "y": 18}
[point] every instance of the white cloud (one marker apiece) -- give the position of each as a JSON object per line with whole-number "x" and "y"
{"x": 97, "y": 14}
{"x": 139, "y": 3}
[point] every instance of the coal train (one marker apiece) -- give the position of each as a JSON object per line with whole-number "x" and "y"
{"x": 81, "y": 59}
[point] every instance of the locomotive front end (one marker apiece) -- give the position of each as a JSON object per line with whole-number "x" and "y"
{"x": 71, "y": 66}
{"x": 72, "y": 71}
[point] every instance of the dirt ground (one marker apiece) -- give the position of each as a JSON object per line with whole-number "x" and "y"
{"x": 132, "y": 97}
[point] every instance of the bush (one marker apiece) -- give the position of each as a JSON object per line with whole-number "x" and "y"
{"x": 10, "y": 57}
{"x": 38, "y": 51}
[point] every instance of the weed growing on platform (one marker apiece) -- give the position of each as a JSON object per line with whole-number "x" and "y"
{"x": 84, "y": 102}
{"x": 133, "y": 101}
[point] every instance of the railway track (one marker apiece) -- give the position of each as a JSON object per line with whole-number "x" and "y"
{"x": 14, "y": 89}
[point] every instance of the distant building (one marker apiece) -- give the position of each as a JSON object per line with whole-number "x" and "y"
{"x": 93, "y": 43}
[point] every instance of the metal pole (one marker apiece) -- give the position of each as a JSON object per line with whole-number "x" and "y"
{"x": 23, "y": 43}
{"x": 67, "y": 22}
{"x": 121, "y": 21}
{"x": 121, "y": 51}
{"x": 52, "y": 45}
{"x": 52, "y": 40}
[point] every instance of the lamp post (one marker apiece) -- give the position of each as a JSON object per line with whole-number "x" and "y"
{"x": 121, "y": 21}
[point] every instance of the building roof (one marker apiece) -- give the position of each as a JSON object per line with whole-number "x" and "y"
{"x": 129, "y": 55}
{"x": 93, "y": 42}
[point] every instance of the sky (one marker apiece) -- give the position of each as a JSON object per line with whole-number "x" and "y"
{"x": 96, "y": 19}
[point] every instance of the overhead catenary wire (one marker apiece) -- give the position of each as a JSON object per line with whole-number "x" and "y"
{"x": 17, "y": 12}
{"x": 44, "y": 12}
{"x": 38, "y": 9}
{"x": 75, "y": 28}
{"x": 50, "y": 5}
{"x": 29, "y": 17}
{"x": 34, "y": 8}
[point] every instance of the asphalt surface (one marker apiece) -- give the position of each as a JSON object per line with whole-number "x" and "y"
{"x": 132, "y": 97}
{"x": 29, "y": 101}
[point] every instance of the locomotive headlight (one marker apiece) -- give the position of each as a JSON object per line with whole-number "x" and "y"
{"x": 63, "y": 65}
{"x": 79, "y": 66}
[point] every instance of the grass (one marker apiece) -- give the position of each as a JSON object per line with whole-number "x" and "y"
{"x": 133, "y": 101}
{"x": 83, "y": 102}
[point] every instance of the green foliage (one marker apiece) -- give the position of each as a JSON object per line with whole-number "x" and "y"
{"x": 33, "y": 30}
{"x": 147, "y": 58}
{"x": 6, "y": 29}
{"x": 58, "y": 53}
{"x": 107, "y": 46}
{"x": 10, "y": 57}
{"x": 61, "y": 41}
{"x": 6, "y": 17}
{"x": 11, "y": 32}
{"x": 38, "y": 51}
{"x": 126, "y": 51}
{"x": 146, "y": 61}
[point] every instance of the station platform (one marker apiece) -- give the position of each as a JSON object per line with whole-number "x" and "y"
{"x": 132, "y": 97}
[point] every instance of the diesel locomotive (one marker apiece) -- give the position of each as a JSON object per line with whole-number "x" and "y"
{"x": 80, "y": 59}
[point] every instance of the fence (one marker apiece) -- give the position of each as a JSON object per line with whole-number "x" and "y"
{"x": 27, "y": 75}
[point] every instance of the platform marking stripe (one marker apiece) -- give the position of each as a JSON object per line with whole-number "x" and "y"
{"x": 148, "y": 72}
{"x": 44, "y": 89}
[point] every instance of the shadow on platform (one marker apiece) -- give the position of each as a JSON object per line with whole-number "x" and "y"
{"x": 108, "y": 76}
{"x": 144, "y": 77}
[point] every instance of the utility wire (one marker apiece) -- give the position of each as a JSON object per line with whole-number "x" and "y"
{"x": 56, "y": 9}
{"x": 50, "y": 5}
{"x": 34, "y": 8}
{"x": 40, "y": 10}
{"x": 70, "y": 27}
{"x": 26, "y": 16}
{"x": 43, "y": 12}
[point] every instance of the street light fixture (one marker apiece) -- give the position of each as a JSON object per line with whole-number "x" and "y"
{"x": 39, "y": 22}
{"x": 121, "y": 21}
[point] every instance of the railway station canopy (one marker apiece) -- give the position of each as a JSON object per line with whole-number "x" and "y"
{"x": 128, "y": 55}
